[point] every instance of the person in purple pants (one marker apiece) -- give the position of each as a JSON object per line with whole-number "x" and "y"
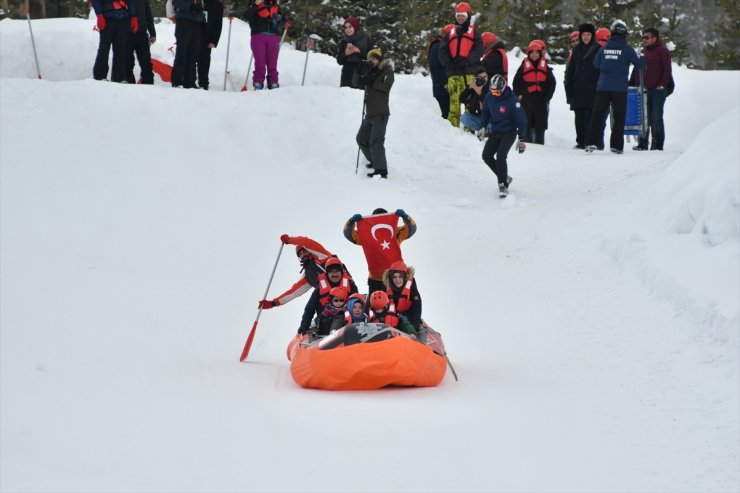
{"x": 266, "y": 23}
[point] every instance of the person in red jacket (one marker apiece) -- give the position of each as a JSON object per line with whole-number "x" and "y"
{"x": 534, "y": 85}
{"x": 658, "y": 76}
{"x": 312, "y": 256}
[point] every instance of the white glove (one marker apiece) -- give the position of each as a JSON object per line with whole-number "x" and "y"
{"x": 482, "y": 134}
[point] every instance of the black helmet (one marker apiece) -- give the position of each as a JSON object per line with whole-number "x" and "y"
{"x": 619, "y": 27}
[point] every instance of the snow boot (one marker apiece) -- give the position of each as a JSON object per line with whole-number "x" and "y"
{"x": 616, "y": 151}
{"x": 503, "y": 192}
{"x": 590, "y": 149}
{"x": 258, "y": 86}
{"x": 377, "y": 172}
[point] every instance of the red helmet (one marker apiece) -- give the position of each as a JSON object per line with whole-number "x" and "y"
{"x": 536, "y": 45}
{"x": 463, "y": 8}
{"x": 575, "y": 34}
{"x": 379, "y": 300}
{"x": 488, "y": 38}
{"x": 603, "y": 34}
{"x": 333, "y": 262}
{"x": 399, "y": 266}
{"x": 338, "y": 292}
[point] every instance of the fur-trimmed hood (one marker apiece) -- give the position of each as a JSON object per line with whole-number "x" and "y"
{"x": 387, "y": 276}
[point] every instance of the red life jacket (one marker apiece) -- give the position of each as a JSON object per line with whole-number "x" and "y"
{"x": 534, "y": 74}
{"x": 389, "y": 317}
{"x": 324, "y": 286}
{"x": 461, "y": 46}
{"x": 115, "y": 5}
{"x": 404, "y": 300}
{"x": 264, "y": 11}
{"x": 504, "y": 60}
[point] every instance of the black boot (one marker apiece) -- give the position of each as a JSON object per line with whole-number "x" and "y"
{"x": 377, "y": 172}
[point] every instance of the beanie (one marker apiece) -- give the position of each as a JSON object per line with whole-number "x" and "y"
{"x": 376, "y": 53}
{"x": 354, "y": 22}
{"x": 586, "y": 27}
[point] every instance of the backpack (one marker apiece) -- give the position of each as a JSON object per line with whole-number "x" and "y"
{"x": 670, "y": 87}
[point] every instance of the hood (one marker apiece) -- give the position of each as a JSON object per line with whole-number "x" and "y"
{"x": 387, "y": 276}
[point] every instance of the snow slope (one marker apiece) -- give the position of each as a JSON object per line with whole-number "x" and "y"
{"x": 592, "y": 316}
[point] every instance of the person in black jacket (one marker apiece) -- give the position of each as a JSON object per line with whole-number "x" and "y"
{"x": 139, "y": 42}
{"x": 209, "y": 39}
{"x": 352, "y": 50}
{"x": 534, "y": 85}
{"x": 494, "y": 58}
{"x": 581, "y": 78}
{"x": 266, "y": 23}
{"x": 336, "y": 276}
{"x": 472, "y": 98}
{"x": 439, "y": 78}
{"x": 188, "y": 32}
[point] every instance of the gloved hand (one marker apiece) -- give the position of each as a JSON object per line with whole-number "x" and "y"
{"x": 266, "y": 304}
{"x": 302, "y": 330}
{"x": 284, "y": 239}
{"x": 134, "y": 24}
{"x": 482, "y": 134}
{"x": 521, "y": 147}
{"x": 401, "y": 213}
{"x": 101, "y": 22}
{"x": 355, "y": 218}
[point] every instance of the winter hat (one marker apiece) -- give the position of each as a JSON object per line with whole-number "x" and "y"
{"x": 376, "y": 53}
{"x": 574, "y": 34}
{"x": 603, "y": 34}
{"x": 586, "y": 27}
{"x": 353, "y": 21}
{"x": 488, "y": 38}
{"x": 536, "y": 45}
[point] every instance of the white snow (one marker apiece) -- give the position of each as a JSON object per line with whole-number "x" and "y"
{"x": 592, "y": 316}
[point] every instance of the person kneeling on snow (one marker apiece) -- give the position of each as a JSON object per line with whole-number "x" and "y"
{"x": 335, "y": 276}
{"x": 383, "y": 311}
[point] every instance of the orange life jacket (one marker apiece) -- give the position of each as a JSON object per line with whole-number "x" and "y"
{"x": 504, "y": 60}
{"x": 461, "y": 46}
{"x": 324, "y": 286}
{"x": 264, "y": 11}
{"x": 389, "y": 317}
{"x": 534, "y": 74}
{"x": 404, "y": 300}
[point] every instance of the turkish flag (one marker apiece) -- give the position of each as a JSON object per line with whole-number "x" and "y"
{"x": 378, "y": 240}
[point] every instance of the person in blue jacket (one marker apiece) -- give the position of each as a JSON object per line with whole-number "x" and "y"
{"x": 613, "y": 61}
{"x": 439, "y": 78}
{"x": 502, "y": 119}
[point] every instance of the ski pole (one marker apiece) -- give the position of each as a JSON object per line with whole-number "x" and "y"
{"x": 33, "y": 43}
{"x": 228, "y": 46}
{"x": 364, "y": 102}
{"x": 248, "y": 344}
{"x": 454, "y": 373}
{"x": 249, "y": 67}
{"x": 309, "y": 45}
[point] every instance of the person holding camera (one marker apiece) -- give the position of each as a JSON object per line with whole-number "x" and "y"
{"x": 534, "y": 85}
{"x": 188, "y": 32}
{"x": 502, "y": 118}
{"x": 375, "y": 75}
{"x": 472, "y": 98}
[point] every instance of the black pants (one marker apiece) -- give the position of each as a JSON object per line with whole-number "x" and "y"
{"x": 537, "y": 111}
{"x": 204, "y": 61}
{"x": 115, "y": 34}
{"x": 618, "y": 101}
{"x": 138, "y": 43}
{"x": 583, "y": 121}
{"x": 348, "y": 69}
{"x": 496, "y": 151}
{"x": 371, "y": 139}
{"x": 188, "y": 35}
{"x": 444, "y": 104}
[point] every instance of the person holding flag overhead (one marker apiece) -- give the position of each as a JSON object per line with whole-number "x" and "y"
{"x": 380, "y": 237}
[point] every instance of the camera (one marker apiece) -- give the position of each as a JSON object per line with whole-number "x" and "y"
{"x": 365, "y": 67}
{"x": 480, "y": 81}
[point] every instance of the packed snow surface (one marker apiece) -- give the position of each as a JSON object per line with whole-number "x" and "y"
{"x": 592, "y": 316}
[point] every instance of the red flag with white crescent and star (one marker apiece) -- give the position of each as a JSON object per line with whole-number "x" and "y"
{"x": 378, "y": 239}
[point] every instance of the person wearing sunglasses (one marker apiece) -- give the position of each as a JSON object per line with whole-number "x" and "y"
{"x": 336, "y": 276}
{"x": 657, "y": 80}
{"x": 331, "y": 316}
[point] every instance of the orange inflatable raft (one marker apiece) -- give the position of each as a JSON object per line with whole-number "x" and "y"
{"x": 367, "y": 356}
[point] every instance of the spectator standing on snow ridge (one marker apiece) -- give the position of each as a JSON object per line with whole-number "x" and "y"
{"x": 472, "y": 98}
{"x": 378, "y": 256}
{"x": 336, "y": 276}
{"x": 460, "y": 54}
{"x": 439, "y": 79}
{"x": 581, "y": 77}
{"x": 534, "y": 85}
{"x": 502, "y": 118}
{"x": 376, "y": 77}
{"x": 209, "y": 39}
{"x": 188, "y": 32}
{"x": 266, "y": 23}
{"x": 139, "y": 43}
{"x": 658, "y": 76}
{"x": 312, "y": 257}
{"x": 114, "y": 21}
{"x": 352, "y": 50}
{"x": 494, "y": 58}
{"x": 613, "y": 62}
